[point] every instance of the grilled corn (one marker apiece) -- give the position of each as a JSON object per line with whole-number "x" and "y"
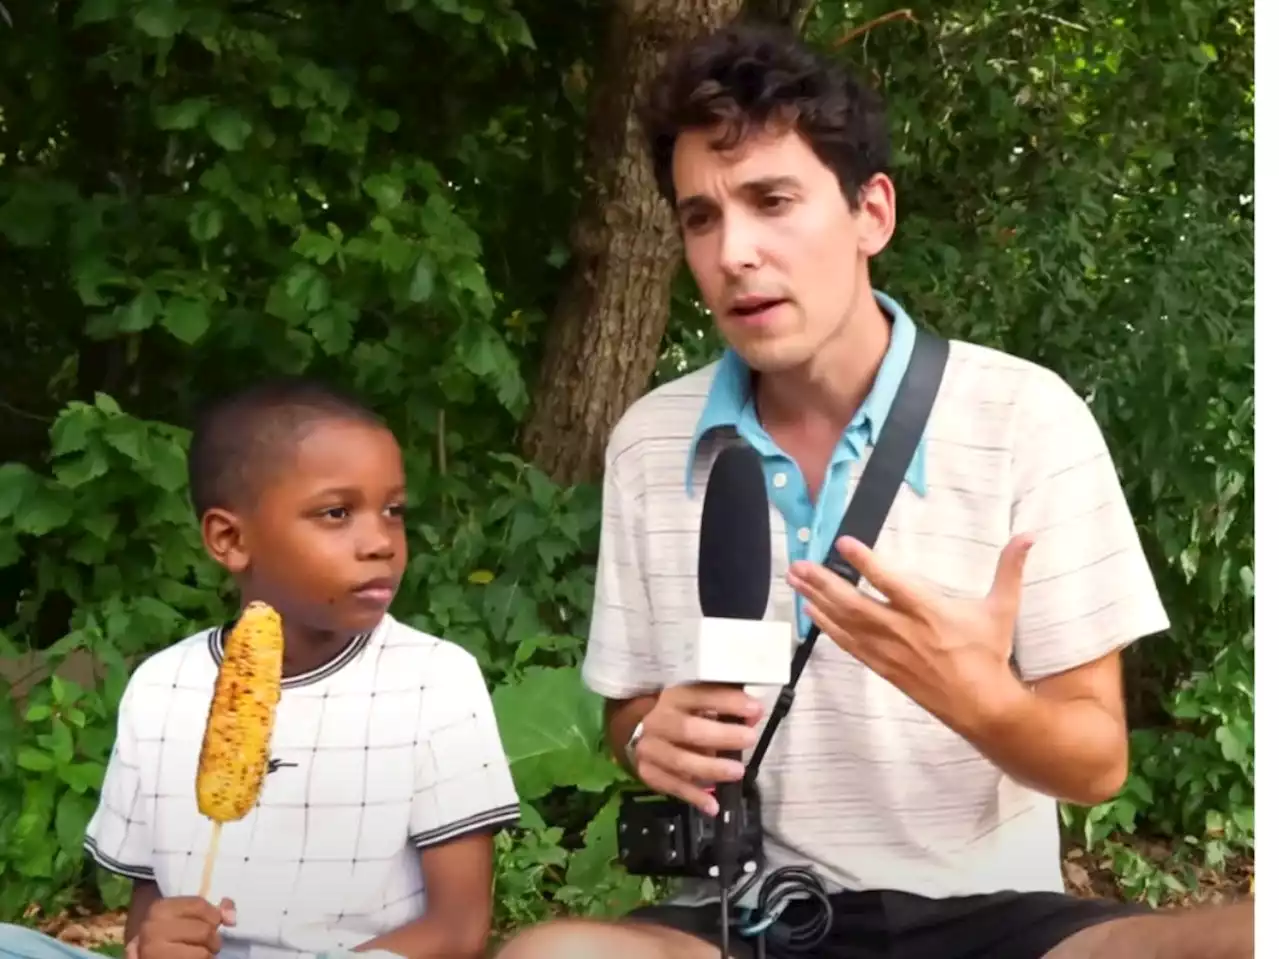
{"x": 237, "y": 737}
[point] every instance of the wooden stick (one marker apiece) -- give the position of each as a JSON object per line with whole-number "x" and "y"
{"x": 209, "y": 858}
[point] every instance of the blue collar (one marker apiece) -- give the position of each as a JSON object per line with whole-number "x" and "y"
{"x": 729, "y": 401}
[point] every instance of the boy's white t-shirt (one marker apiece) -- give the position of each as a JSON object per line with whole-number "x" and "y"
{"x": 386, "y": 750}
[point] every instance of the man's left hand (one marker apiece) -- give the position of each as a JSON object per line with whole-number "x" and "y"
{"x": 951, "y": 655}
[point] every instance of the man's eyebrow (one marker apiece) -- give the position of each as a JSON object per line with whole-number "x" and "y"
{"x": 752, "y": 187}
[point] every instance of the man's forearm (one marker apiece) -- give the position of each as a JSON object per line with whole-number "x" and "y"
{"x": 621, "y": 717}
{"x": 1071, "y": 749}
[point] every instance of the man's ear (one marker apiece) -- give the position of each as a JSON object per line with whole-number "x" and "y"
{"x": 224, "y": 538}
{"x": 877, "y": 215}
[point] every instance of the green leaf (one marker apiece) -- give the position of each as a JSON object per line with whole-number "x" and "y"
{"x": 186, "y": 319}
{"x": 140, "y": 313}
{"x": 38, "y": 713}
{"x": 70, "y": 820}
{"x": 552, "y": 728}
{"x": 96, "y": 11}
{"x": 185, "y": 115}
{"x": 386, "y": 189}
{"x": 228, "y": 128}
{"x": 36, "y": 760}
{"x": 83, "y": 777}
{"x": 161, "y": 19}
{"x": 423, "y": 282}
{"x": 315, "y": 246}
{"x": 48, "y": 508}
{"x": 332, "y": 330}
{"x": 17, "y": 482}
{"x": 205, "y": 221}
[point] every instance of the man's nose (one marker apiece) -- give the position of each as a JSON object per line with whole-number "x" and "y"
{"x": 739, "y": 243}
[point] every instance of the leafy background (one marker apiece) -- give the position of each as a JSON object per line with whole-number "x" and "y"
{"x": 196, "y": 192}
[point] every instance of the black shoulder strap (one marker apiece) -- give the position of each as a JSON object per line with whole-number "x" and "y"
{"x": 877, "y": 489}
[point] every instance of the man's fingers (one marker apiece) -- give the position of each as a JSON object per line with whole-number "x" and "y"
{"x": 895, "y": 586}
{"x": 701, "y": 733}
{"x": 721, "y": 700}
{"x": 838, "y": 598}
{"x": 663, "y": 782}
{"x": 686, "y": 764}
{"x": 1006, "y": 587}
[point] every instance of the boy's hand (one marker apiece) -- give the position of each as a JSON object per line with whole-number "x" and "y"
{"x": 184, "y": 927}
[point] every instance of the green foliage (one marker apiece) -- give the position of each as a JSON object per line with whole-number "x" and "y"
{"x": 194, "y": 194}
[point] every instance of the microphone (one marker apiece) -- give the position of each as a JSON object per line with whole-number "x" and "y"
{"x": 732, "y": 643}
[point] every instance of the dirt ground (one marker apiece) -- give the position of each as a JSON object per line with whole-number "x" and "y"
{"x": 1084, "y": 874}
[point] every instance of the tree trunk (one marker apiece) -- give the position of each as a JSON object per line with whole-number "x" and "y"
{"x": 606, "y": 328}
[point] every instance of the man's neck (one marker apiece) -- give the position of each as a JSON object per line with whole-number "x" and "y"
{"x": 827, "y": 391}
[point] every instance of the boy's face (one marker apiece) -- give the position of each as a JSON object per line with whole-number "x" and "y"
{"x": 325, "y": 541}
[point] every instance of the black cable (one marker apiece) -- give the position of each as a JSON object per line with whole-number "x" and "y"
{"x": 777, "y": 892}
{"x": 726, "y": 927}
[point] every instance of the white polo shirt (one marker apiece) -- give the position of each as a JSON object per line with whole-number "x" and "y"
{"x": 388, "y": 749}
{"x": 860, "y": 782}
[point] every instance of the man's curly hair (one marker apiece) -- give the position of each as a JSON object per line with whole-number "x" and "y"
{"x": 745, "y": 77}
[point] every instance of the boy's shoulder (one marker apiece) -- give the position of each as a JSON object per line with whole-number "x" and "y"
{"x": 416, "y": 651}
{"x": 184, "y": 663}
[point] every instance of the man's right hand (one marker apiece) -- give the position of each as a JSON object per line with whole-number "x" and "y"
{"x": 677, "y": 753}
{"x": 183, "y": 927}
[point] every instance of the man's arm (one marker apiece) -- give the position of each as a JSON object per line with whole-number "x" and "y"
{"x": 1065, "y": 736}
{"x": 1087, "y": 593}
{"x": 620, "y": 718}
{"x": 458, "y": 876}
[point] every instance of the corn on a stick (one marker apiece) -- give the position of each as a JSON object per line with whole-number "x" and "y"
{"x": 237, "y": 737}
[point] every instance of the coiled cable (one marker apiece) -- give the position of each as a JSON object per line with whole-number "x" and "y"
{"x": 779, "y": 890}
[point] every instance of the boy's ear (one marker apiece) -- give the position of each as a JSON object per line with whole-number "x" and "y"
{"x": 224, "y": 538}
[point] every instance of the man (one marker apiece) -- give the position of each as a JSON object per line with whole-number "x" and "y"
{"x": 974, "y": 677}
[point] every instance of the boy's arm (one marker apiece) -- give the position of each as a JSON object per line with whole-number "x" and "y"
{"x": 464, "y": 794}
{"x": 459, "y": 881}
{"x": 145, "y": 895}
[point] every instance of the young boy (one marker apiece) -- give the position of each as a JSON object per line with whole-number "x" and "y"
{"x": 387, "y": 777}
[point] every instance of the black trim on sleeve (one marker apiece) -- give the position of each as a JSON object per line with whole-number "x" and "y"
{"x": 140, "y": 873}
{"x": 490, "y": 819}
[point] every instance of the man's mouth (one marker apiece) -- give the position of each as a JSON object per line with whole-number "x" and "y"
{"x": 754, "y": 305}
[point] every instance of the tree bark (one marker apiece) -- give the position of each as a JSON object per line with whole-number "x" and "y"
{"x": 607, "y": 325}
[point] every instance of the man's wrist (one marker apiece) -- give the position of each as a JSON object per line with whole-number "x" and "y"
{"x": 997, "y": 707}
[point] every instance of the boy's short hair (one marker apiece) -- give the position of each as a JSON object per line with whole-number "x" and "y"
{"x": 239, "y": 438}
{"x": 744, "y": 77}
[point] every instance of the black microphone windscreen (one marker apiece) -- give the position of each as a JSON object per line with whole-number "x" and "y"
{"x": 735, "y": 548}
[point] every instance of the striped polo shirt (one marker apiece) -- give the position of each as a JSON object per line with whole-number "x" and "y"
{"x": 860, "y": 782}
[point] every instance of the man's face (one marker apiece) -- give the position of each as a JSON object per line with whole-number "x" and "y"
{"x": 772, "y": 242}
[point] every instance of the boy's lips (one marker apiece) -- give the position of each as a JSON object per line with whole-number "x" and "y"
{"x": 380, "y": 590}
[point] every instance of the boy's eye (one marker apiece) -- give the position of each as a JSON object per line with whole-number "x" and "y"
{"x": 334, "y": 512}
{"x": 397, "y": 511}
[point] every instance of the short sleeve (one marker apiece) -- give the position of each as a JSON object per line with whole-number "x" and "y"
{"x": 118, "y": 837}
{"x": 620, "y": 660}
{"x": 1087, "y": 587}
{"x": 463, "y": 782}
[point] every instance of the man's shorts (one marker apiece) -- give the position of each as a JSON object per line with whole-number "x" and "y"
{"x": 880, "y": 925}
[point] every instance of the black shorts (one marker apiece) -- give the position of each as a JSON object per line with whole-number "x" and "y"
{"x": 880, "y": 925}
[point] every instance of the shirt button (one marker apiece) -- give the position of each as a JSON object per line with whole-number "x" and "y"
{"x": 802, "y": 534}
{"x": 779, "y": 480}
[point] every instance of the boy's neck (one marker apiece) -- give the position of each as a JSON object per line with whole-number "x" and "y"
{"x": 308, "y": 649}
